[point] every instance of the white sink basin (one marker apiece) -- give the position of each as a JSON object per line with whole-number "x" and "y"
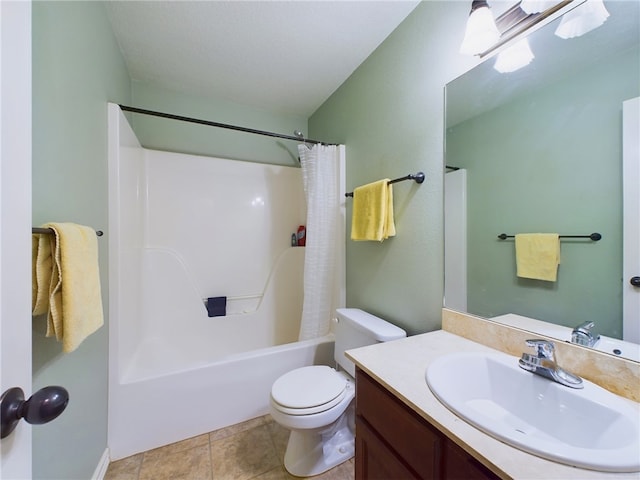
{"x": 588, "y": 428}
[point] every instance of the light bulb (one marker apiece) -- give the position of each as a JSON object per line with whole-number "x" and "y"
{"x": 582, "y": 19}
{"x": 515, "y": 57}
{"x": 481, "y": 32}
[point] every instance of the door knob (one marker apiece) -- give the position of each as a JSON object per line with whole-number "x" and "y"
{"x": 635, "y": 281}
{"x": 42, "y": 407}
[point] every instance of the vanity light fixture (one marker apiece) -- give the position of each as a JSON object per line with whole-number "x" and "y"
{"x": 514, "y": 57}
{"x": 536, "y": 6}
{"x": 481, "y": 32}
{"x": 582, "y": 19}
{"x": 510, "y": 25}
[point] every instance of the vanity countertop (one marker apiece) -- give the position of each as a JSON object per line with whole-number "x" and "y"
{"x": 400, "y": 367}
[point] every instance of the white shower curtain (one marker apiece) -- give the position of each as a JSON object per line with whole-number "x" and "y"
{"x": 321, "y": 173}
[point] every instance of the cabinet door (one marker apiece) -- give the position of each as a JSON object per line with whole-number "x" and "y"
{"x": 374, "y": 459}
{"x": 404, "y": 432}
{"x": 459, "y": 465}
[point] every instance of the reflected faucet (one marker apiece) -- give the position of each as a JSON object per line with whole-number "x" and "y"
{"x": 583, "y": 335}
{"x": 543, "y": 363}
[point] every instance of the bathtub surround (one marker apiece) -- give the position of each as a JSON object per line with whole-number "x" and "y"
{"x": 168, "y": 261}
{"x": 322, "y": 169}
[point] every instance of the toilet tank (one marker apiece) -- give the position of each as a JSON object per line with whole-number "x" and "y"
{"x": 355, "y": 328}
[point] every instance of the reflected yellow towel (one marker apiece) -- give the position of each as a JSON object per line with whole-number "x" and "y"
{"x": 372, "y": 217}
{"x": 538, "y": 255}
{"x": 75, "y": 302}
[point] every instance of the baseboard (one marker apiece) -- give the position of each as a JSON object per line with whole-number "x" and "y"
{"x": 101, "y": 469}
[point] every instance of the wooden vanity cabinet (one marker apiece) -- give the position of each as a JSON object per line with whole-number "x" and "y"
{"x": 395, "y": 443}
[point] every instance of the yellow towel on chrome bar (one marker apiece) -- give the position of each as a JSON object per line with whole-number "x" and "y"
{"x": 538, "y": 255}
{"x": 372, "y": 217}
{"x": 75, "y": 302}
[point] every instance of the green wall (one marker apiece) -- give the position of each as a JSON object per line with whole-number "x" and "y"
{"x": 171, "y": 135}
{"x": 389, "y": 113}
{"x": 77, "y": 68}
{"x": 551, "y": 161}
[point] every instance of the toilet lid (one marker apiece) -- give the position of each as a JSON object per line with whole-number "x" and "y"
{"x": 308, "y": 387}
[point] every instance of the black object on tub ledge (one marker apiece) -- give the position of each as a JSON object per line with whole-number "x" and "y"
{"x": 418, "y": 178}
{"x": 594, "y": 236}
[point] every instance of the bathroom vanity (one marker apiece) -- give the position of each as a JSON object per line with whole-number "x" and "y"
{"x": 404, "y": 431}
{"x": 393, "y": 441}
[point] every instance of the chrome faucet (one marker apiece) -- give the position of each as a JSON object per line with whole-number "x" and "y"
{"x": 583, "y": 335}
{"x": 543, "y": 363}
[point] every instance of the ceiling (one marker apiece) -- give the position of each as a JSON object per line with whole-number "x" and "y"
{"x": 282, "y": 56}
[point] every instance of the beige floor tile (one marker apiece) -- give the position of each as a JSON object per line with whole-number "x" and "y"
{"x": 250, "y": 450}
{"x": 278, "y": 473}
{"x": 191, "y": 464}
{"x": 181, "y": 446}
{"x": 344, "y": 471}
{"x": 244, "y": 455}
{"x": 280, "y": 437}
{"x": 233, "y": 429}
{"x": 125, "y": 469}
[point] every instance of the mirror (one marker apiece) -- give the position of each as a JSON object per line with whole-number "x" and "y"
{"x": 541, "y": 149}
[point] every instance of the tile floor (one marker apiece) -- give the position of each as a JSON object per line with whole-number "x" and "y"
{"x": 250, "y": 450}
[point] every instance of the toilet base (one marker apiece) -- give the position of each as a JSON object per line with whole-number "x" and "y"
{"x": 312, "y": 452}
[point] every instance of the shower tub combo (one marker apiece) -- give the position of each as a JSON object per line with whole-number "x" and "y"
{"x": 184, "y": 228}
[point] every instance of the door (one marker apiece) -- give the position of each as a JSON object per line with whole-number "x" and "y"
{"x": 631, "y": 220}
{"x": 15, "y": 224}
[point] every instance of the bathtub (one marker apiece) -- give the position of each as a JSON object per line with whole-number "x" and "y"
{"x": 190, "y": 374}
{"x": 157, "y": 411}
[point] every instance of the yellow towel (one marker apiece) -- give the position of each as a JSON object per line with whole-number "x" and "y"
{"x": 41, "y": 265}
{"x": 373, "y": 212}
{"x": 538, "y": 255}
{"x": 75, "y": 302}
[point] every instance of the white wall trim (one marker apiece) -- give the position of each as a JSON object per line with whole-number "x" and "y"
{"x": 101, "y": 470}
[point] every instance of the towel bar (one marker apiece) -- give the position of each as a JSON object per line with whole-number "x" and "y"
{"x": 49, "y": 231}
{"x": 418, "y": 178}
{"x": 594, "y": 236}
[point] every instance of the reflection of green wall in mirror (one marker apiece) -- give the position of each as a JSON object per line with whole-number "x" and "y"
{"x": 550, "y": 162}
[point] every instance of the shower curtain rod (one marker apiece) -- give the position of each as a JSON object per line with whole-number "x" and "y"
{"x": 297, "y": 138}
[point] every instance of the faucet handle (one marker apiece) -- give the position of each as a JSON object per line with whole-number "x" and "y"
{"x": 584, "y": 326}
{"x": 583, "y": 335}
{"x": 544, "y": 348}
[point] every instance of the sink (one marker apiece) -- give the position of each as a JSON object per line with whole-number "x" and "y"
{"x": 618, "y": 347}
{"x": 589, "y": 428}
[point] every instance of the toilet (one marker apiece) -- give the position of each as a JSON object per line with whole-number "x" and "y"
{"x": 316, "y": 403}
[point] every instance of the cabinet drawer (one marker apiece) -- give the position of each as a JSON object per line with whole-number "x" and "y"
{"x": 402, "y": 429}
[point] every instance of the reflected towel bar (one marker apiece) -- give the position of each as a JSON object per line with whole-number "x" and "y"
{"x": 49, "y": 231}
{"x": 594, "y": 236}
{"x": 418, "y": 178}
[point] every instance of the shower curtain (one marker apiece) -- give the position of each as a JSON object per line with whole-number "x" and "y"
{"x": 320, "y": 174}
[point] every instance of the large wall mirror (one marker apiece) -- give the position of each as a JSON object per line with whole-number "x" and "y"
{"x": 540, "y": 150}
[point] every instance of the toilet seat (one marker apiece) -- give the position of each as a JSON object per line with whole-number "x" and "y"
{"x": 309, "y": 390}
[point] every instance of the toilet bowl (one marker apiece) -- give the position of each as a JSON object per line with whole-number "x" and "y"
{"x": 317, "y": 403}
